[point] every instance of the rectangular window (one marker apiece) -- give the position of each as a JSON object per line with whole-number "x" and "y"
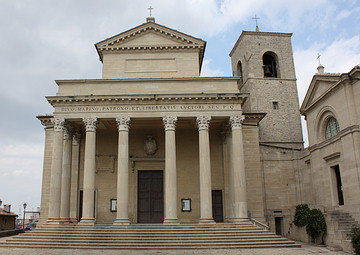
{"x": 275, "y": 105}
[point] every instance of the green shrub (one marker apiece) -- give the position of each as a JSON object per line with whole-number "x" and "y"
{"x": 316, "y": 224}
{"x": 301, "y": 215}
{"x": 355, "y": 239}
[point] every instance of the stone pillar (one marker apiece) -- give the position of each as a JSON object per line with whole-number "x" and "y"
{"x": 238, "y": 205}
{"x": 88, "y": 216}
{"x": 66, "y": 174}
{"x": 205, "y": 170}
{"x": 170, "y": 171}
{"x": 56, "y": 167}
{"x": 74, "y": 193}
{"x": 122, "y": 215}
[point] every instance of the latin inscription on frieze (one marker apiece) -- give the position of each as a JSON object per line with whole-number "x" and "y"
{"x": 150, "y": 108}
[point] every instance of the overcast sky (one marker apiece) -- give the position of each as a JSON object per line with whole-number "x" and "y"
{"x": 42, "y": 41}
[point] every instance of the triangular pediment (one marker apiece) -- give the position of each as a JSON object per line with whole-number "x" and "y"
{"x": 319, "y": 86}
{"x": 151, "y": 36}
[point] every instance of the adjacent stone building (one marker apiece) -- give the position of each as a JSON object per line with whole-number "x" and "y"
{"x": 330, "y": 172}
{"x": 153, "y": 142}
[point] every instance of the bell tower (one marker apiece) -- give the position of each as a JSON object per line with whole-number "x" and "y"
{"x": 264, "y": 63}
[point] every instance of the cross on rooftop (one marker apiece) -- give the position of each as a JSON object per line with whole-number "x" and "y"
{"x": 318, "y": 57}
{"x": 150, "y": 9}
{"x": 256, "y": 18}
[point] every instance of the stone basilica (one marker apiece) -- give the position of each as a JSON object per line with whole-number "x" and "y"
{"x": 153, "y": 142}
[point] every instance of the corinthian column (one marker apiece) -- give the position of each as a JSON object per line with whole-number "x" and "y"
{"x": 170, "y": 171}
{"x": 122, "y": 216}
{"x": 74, "y": 176}
{"x": 65, "y": 179}
{"x": 205, "y": 170}
{"x": 237, "y": 185}
{"x": 89, "y": 172}
{"x": 56, "y": 166}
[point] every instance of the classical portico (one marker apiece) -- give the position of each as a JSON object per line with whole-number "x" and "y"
{"x": 151, "y": 142}
{"x": 192, "y": 112}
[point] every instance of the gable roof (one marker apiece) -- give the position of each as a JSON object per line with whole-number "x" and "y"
{"x": 167, "y": 39}
{"x": 322, "y": 84}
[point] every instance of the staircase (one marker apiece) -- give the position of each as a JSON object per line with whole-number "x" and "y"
{"x": 150, "y": 236}
{"x": 339, "y": 229}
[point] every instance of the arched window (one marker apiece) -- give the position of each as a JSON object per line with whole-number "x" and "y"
{"x": 332, "y": 128}
{"x": 239, "y": 70}
{"x": 269, "y": 65}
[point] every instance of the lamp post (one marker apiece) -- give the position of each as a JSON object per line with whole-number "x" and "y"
{"x": 24, "y": 215}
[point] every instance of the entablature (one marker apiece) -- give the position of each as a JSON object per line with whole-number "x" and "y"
{"x": 155, "y": 105}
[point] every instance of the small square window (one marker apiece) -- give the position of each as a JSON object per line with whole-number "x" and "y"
{"x": 275, "y": 105}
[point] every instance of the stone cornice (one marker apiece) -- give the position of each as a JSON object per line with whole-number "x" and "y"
{"x": 175, "y": 79}
{"x": 254, "y": 33}
{"x": 253, "y": 119}
{"x": 339, "y": 136}
{"x": 150, "y": 47}
{"x": 240, "y": 97}
{"x": 46, "y": 120}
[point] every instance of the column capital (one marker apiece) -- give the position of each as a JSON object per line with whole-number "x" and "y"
{"x": 169, "y": 122}
{"x": 59, "y": 124}
{"x": 90, "y": 124}
{"x": 123, "y": 123}
{"x": 236, "y": 121}
{"x": 203, "y": 122}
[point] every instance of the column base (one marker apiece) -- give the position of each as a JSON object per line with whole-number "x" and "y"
{"x": 64, "y": 220}
{"x": 171, "y": 222}
{"x": 207, "y": 221}
{"x": 89, "y": 222}
{"x": 53, "y": 221}
{"x": 238, "y": 220}
{"x": 73, "y": 220}
{"x": 122, "y": 222}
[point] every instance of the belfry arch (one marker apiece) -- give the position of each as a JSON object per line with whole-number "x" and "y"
{"x": 270, "y": 65}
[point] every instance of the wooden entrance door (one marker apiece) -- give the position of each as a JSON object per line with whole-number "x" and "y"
{"x": 339, "y": 185}
{"x": 217, "y": 205}
{"x": 150, "y": 197}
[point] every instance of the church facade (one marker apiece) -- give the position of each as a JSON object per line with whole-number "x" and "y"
{"x": 153, "y": 142}
{"x": 331, "y": 166}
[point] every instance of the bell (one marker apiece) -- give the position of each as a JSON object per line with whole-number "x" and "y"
{"x": 267, "y": 70}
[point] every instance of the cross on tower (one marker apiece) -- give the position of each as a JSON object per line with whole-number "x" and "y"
{"x": 150, "y": 9}
{"x": 256, "y": 18}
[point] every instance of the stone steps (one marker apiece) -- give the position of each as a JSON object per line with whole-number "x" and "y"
{"x": 159, "y": 236}
{"x": 339, "y": 229}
